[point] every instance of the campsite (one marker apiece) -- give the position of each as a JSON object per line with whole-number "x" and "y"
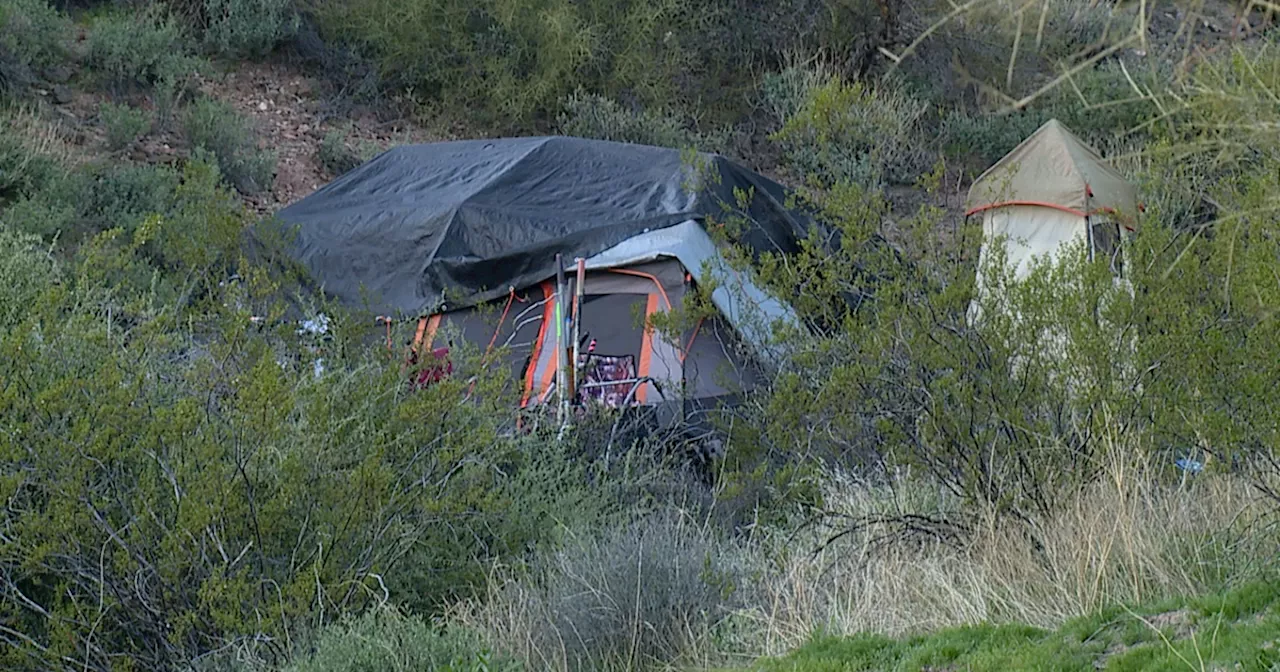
{"x": 363, "y": 335}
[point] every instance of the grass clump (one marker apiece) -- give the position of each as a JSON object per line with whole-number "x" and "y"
{"x": 124, "y": 124}
{"x": 216, "y": 127}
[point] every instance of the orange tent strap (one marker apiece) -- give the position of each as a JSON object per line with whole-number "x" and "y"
{"x": 1035, "y": 204}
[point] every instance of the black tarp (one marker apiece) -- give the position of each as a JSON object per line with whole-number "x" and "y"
{"x": 477, "y": 217}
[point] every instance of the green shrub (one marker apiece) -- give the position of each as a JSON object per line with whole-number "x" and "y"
{"x": 593, "y": 116}
{"x": 1098, "y": 104}
{"x": 124, "y": 124}
{"x": 32, "y": 35}
{"x": 336, "y": 156}
{"x": 510, "y": 63}
{"x": 247, "y": 28}
{"x": 216, "y": 127}
{"x": 388, "y": 639}
{"x": 981, "y": 140}
{"x": 218, "y": 463}
{"x": 143, "y": 47}
{"x": 786, "y": 92}
{"x": 640, "y": 595}
{"x": 119, "y": 195}
{"x": 24, "y": 169}
{"x": 26, "y": 271}
{"x": 859, "y": 134}
{"x": 39, "y": 215}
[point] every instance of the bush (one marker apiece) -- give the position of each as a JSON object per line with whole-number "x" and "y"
{"x": 144, "y": 48}
{"x": 247, "y": 28}
{"x": 981, "y": 140}
{"x": 124, "y": 124}
{"x": 216, "y": 127}
{"x": 39, "y": 215}
{"x": 510, "y": 63}
{"x": 1099, "y": 105}
{"x": 119, "y": 195}
{"x": 593, "y": 116}
{"x": 337, "y": 157}
{"x": 222, "y": 468}
{"x": 388, "y": 639}
{"x": 856, "y": 133}
{"x": 786, "y": 92}
{"x": 641, "y": 595}
{"x": 32, "y": 36}
{"x": 24, "y": 168}
{"x": 26, "y": 271}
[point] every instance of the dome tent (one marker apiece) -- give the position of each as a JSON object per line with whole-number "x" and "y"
{"x": 467, "y": 234}
{"x": 1052, "y": 189}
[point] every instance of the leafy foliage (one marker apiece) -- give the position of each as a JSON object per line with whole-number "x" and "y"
{"x": 248, "y": 28}
{"x": 215, "y": 463}
{"x": 517, "y": 61}
{"x": 216, "y": 127}
{"x": 389, "y": 639}
{"x": 124, "y": 124}
{"x": 32, "y": 36}
{"x": 591, "y": 116}
{"x": 27, "y": 271}
{"x": 855, "y": 133}
{"x": 337, "y": 157}
{"x": 140, "y": 48}
{"x": 24, "y": 169}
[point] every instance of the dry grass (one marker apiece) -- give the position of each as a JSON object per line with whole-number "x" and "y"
{"x": 1123, "y": 540}
{"x": 40, "y": 134}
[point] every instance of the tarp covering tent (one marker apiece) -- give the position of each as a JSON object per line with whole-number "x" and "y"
{"x": 466, "y": 234}
{"x": 1050, "y": 190}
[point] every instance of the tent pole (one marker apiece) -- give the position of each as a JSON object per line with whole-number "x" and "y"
{"x": 579, "y": 289}
{"x": 561, "y": 378}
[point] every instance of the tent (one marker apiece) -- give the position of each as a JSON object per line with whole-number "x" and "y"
{"x": 463, "y": 238}
{"x": 1049, "y": 191}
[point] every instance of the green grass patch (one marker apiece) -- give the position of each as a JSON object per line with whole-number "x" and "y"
{"x": 1238, "y": 629}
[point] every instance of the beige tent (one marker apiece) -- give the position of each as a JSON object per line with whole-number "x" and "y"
{"x": 1049, "y": 191}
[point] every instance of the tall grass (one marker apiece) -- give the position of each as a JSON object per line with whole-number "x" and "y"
{"x": 1140, "y": 534}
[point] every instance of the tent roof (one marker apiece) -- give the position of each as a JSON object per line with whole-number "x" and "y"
{"x": 1053, "y": 168}
{"x": 476, "y": 217}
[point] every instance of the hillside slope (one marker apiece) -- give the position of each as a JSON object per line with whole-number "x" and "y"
{"x": 1236, "y": 630}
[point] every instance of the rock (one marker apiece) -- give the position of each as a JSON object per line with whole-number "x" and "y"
{"x": 58, "y": 74}
{"x": 63, "y": 94}
{"x": 262, "y": 106}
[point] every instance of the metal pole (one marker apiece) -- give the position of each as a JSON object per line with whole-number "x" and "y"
{"x": 561, "y": 378}
{"x": 579, "y": 288}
